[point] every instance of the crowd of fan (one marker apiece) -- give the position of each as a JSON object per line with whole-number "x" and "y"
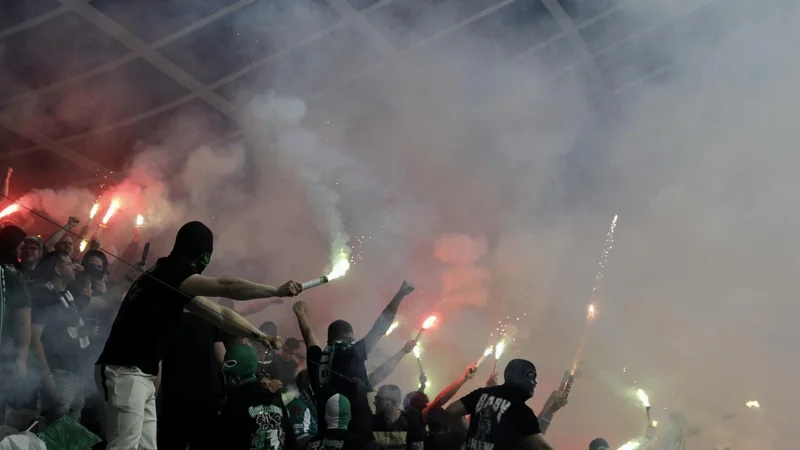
{"x": 143, "y": 359}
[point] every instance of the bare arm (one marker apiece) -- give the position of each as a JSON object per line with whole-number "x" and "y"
{"x": 301, "y": 311}
{"x": 386, "y": 318}
{"x": 536, "y": 442}
{"x": 555, "y": 402}
{"x": 6, "y": 181}
{"x": 450, "y": 391}
{"x": 386, "y": 369}
{"x": 219, "y": 353}
{"x": 54, "y": 238}
{"x": 236, "y": 288}
{"x": 229, "y": 321}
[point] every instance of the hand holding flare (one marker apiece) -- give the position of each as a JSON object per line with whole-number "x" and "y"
{"x": 340, "y": 267}
{"x": 489, "y": 350}
{"x": 425, "y": 325}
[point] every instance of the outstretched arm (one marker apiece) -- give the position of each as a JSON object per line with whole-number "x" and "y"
{"x": 386, "y": 318}
{"x": 54, "y": 238}
{"x": 450, "y": 391}
{"x": 301, "y": 311}
{"x": 229, "y": 321}
{"x": 386, "y": 369}
{"x": 236, "y": 288}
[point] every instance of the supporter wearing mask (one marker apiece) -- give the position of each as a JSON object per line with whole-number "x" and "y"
{"x": 335, "y": 436}
{"x": 91, "y": 284}
{"x": 191, "y": 386}
{"x": 15, "y": 315}
{"x": 148, "y": 322}
{"x": 393, "y": 429}
{"x": 303, "y": 411}
{"x": 32, "y": 248}
{"x": 340, "y": 367}
{"x": 499, "y": 417}
{"x": 253, "y": 417}
{"x": 60, "y": 338}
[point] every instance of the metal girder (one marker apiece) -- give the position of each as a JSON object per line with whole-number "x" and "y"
{"x": 574, "y": 36}
{"x": 30, "y": 23}
{"x": 370, "y": 33}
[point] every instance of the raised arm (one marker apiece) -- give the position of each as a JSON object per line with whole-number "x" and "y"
{"x": 229, "y": 321}
{"x": 236, "y": 288}
{"x": 450, "y": 391}
{"x": 56, "y": 237}
{"x": 301, "y": 311}
{"x": 6, "y": 182}
{"x": 386, "y": 318}
{"x": 555, "y": 402}
{"x": 386, "y": 369}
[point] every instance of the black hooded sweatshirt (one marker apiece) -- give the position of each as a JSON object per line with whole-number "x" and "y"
{"x": 149, "y": 318}
{"x": 13, "y": 294}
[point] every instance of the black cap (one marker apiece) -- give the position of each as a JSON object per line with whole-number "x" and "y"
{"x": 599, "y": 444}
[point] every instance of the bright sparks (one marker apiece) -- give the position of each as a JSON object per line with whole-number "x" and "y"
{"x": 753, "y": 404}
{"x": 590, "y": 312}
{"x": 654, "y": 423}
{"x": 93, "y": 212}
{"x": 392, "y": 327}
{"x": 83, "y": 245}
{"x": 340, "y": 267}
{"x": 10, "y": 209}
{"x": 139, "y": 220}
{"x": 642, "y": 396}
{"x": 499, "y": 348}
{"x": 630, "y": 445}
{"x": 428, "y": 322}
{"x": 486, "y": 353}
{"x": 417, "y": 351}
{"x": 111, "y": 211}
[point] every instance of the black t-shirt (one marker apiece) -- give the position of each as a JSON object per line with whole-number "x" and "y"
{"x": 190, "y": 368}
{"x": 444, "y": 441}
{"x": 335, "y": 439}
{"x": 499, "y": 418}
{"x": 398, "y": 435}
{"x": 65, "y": 338}
{"x": 349, "y": 378}
{"x": 254, "y": 418}
{"x": 148, "y": 319}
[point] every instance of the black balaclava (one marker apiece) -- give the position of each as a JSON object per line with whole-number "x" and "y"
{"x": 90, "y": 272}
{"x": 194, "y": 244}
{"x": 521, "y": 373}
{"x": 10, "y": 238}
{"x": 599, "y": 444}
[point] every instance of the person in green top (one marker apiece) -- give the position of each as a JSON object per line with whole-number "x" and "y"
{"x": 15, "y": 315}
{"x": 302, "y": 410}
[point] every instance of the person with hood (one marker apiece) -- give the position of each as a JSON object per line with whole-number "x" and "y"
{"x": 499, "y": 417}
{"x": 15, "y": 315}
{"x": 252, "y": 417}
{"x": 335, "y": 436}
{"x": 147, "y": 325}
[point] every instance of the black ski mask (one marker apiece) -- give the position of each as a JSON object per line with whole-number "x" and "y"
{"x": 10, "y": 238}
{"x": 92, "y": 272}
{"x": 194, "y": 244}
{"x": 521, "y": 373}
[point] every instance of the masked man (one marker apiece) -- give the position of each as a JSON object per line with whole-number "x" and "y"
{"x": 253, "y": 417}
{"x": 499, "y": 417}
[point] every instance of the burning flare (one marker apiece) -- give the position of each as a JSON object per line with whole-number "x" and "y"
{"x": 428, "y": 322}
{"x": 94, "y": 210}
{"x": 590, "y": 312}
{"x": 630, "y": 445}
{"x": 486, "y": 353}
{"x": 83, "y": 245}
{"x": 340, "y": 267}
{"x": 499, "y": 348}
{"x": 139, "y": 220}
{"x": 10, "y": 209}
{"x": 394, "y": 325}
{"x": 752, "y": 404}
{"x": 642, "y": 396}
{"x": 417, "y": 351}
{"x": 111, "y": 211}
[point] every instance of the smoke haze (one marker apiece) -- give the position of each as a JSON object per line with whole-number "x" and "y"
{"x": 489, "y": 182}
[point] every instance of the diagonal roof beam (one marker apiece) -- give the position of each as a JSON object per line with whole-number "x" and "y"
{"x": 30, "y": 23}
{"x": 141, "y": 48}
{"x": 49, "y": 144}
{"x": 360, "y": 23}
{"x": 574, "y": 36}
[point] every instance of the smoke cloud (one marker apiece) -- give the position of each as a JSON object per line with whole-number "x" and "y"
{"x": 487, "y": 177}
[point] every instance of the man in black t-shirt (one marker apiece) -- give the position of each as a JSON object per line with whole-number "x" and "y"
{"x": 191, "y": 385}
{"x": 252, "y": 416}
{"x": 335, "y": 435}
{"x": 283, "y": 366}
{"x": 147, "y": 325}
{"x": 340, "y": 367}
{"x": 499, "y": 417}
{"x": 394, "y": 429}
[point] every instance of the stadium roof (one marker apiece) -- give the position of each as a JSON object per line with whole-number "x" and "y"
{"x": 166, "y": 54}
